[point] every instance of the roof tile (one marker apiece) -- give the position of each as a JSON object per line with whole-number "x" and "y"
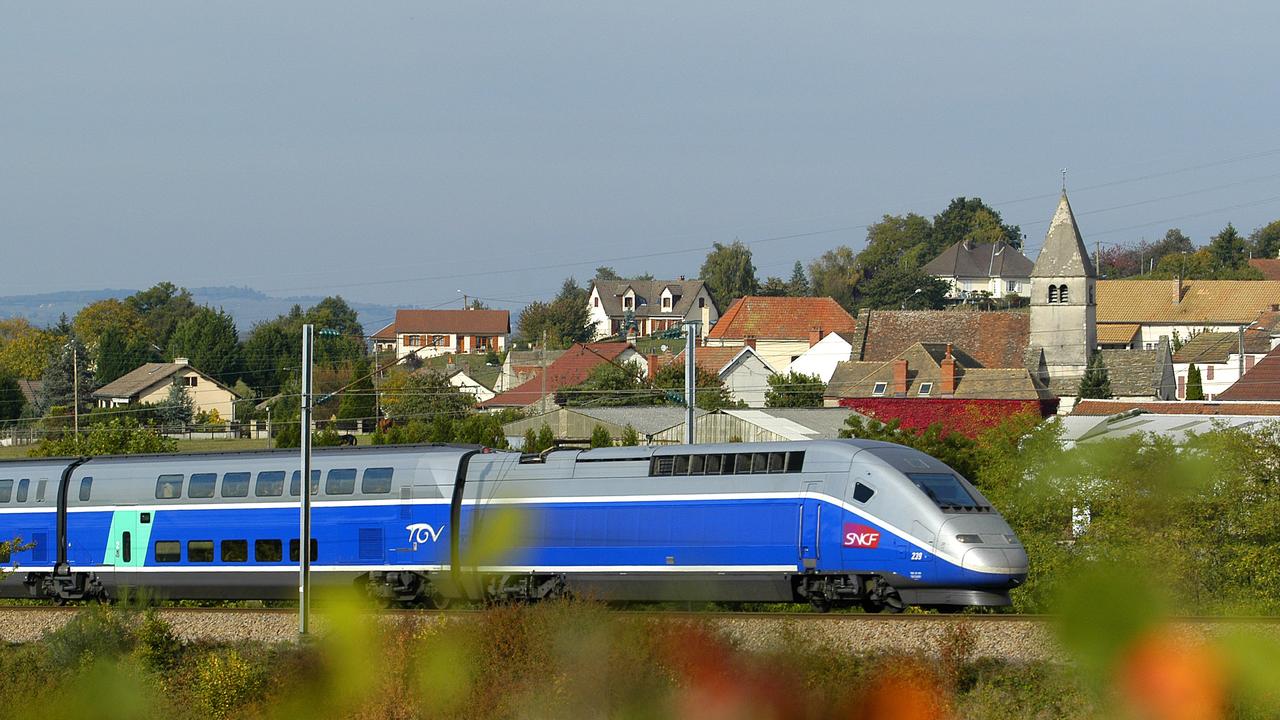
{"x": 782, "y": 318}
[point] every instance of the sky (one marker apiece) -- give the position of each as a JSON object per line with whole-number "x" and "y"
{"x": 409, "y": 152}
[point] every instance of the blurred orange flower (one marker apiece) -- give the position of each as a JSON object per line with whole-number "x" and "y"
{"x": 1169, "y": 677}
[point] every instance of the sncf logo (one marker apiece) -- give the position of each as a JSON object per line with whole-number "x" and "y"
{"x": 861, "y": 536}
{"x": 422, "y": 532}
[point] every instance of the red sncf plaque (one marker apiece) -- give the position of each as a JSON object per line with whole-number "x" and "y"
{"x": 860, "y": 536}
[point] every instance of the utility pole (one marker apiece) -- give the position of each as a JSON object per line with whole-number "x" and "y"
{"x": 75, "y": 386}
{"x": 1240, "y": 337}
{"x": 268, "y": 427}
{"x": 304, "y": 534}
{"x": 690, "y": 378}
{"x": 544, "y": 371}
{"x": 1097, "y": 258}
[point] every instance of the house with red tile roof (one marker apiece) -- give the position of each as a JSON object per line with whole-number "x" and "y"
{"x": 780, "y": 329}
{"x": 931, "y": 383}
{"x": 993, "y": 339}
{"x": 572, "y": 367}
{"x": 1261, "y": 383}
{"x": 1269, "y": 267}
{"x": 428, "y": 333}
{"x": 744, "y": 373}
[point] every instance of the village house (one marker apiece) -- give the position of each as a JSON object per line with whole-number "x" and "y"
{"x": 931, "y": 383}
{"x": 1137, "y": 313}
{"x": 1260, "y": 383}
{"x": 150, "y": 383}
{"x": 429, "y": 333}
{"x": 625, "y": 308}
{"x": 779, "y": 329}
{"x": 977, "y": 270}
{"x": 520, "y": 365}
{"x": 1219, "y": 359}
{"x": 572, "y": 367}
{"x": 822, "y": 358}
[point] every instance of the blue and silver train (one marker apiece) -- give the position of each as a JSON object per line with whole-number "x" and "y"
{"x": 829, "y": 522}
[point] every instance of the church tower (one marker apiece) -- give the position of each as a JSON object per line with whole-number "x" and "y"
{"x": 1064, "y": 323}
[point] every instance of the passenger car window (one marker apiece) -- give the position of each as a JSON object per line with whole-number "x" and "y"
{"x": 169, "y": 487}
{"x": 168, "y": 551}
{"x": 293, "y": 550}
{"x": 295, "y": 488}
{"x": 86, "y": 489}
{"x": 235, "y": 551}
{"x": 201, "y": 485}
{"x": 6, "y": 490}
{"x": 40, "y": 488}
{"x": 376, "y": 480}
{"x": 270, "y": 484}
{"x": 199, "y": 551}
{"x": 341, "y": 481}
{"x": 235, "y": 484}
{"x": 267, "y": 551}
{"x": 22, "y": 490}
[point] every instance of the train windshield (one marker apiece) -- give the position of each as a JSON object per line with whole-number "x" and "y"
{"x": 945, "y": 490}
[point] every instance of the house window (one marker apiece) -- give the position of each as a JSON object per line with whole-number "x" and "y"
{"x": 666, "y": 303}
{"x": 1011, "y": 286}
{"x": 629, "y": 302}
{"x": 595, "y": 302}
{"x": 879, "y": 389}
{"x": 190, "y": 380}
{"x": 412, "y": 340}
{"x": 702, "y": 302}
{"x": 926, "y": 388}
{"x": 1208, "y": 372}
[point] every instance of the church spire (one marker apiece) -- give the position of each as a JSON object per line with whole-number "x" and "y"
{"x": 1063, "y": 253}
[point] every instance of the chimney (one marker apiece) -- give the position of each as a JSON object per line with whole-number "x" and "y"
{"x": 653, "y": 365}
{"x": 900, "y": 377}
{"x": 750, "y": 341}
{"x": 680, "y": 277}
{"x": 181, "y": 361}
{"x": 1177, "y": 289}
{"x": 815, "y": 336}
{"x": 947, "y": 383}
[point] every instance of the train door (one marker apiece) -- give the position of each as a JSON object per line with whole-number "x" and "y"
{"x": 810, "y": 525}
{"x": 126, "y": 545}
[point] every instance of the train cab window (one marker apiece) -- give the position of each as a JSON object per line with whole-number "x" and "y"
{"x": 711, "y": 465}
{"x": 235, "y": 551}
{"x": 267, "y": 551}
{"x": 696, "y": 464}
{"x": 169, "y": 487}
{"x": 376, "y": 481}
{"x": 777, "y": 462}
{"x": 681, "y": 466}
{"x": 86, "y": 489}
{"x": 742, "y": 466}
{"x": 661, "y": 465}
{"x": 200, "y": 551}
{"x": 235, "y": 484}
{"x": 40, "y": 488}
{"x": 269, "y": 484}
{"x": 944, "y": 489}
{"x": 6, "y": 490}
{"x": 760, "y": 463}
{"x": 23, "y": 485}
{"x": 295, "y": 487}
{"x": 341, "y": 481}
{"x": 168, "y": 551}
{"x": 201, "y": 485}
{"x": 862, "y": 493}
{"x": 795, "y": 462}
{"x": 293, "y": 550}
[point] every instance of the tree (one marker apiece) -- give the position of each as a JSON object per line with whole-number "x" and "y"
{"x": 611, "y": 384}
{"x": 728, "y": 273}
{"x": 774, "y": 287}
{"x": 564, "y": 320}
{"x": 798, "y": 285}
{"x": 835, "y": 274}
{"x": 630, "y": 437}
{"x": 1200, "y": 265}
{"x": 952, "y": 448}
{"x": 118, "y": 354}
{"x": 208, "y": 339}
{"x": 607, "y": 273}
{"x": 59, "y": 387}
{"x": 333, "y": 313}
{"x": 423, "y": 395}
{"x": 358, "y": 401}
{"x": 530, "y": 441}
{"x": 178, "y": 408}
{"x": 1195, "y": 388}
{"x": 1228, "y": 249}
{"x": 895, "y": 287}
{"x": 1264, "y": 242}
{"x": 162, "y": 307}
{"x": 973, "y": 220}
{"x": 794, "y": 390}
{"x": 1095, "y": 383}
{"x": 896, "y": 240}
{"x": 95, "y": 319}
{"x": 600, "y": 437}
{"x": 711, "y": 393}
{"x": 25, "y": 350}
{"x": 117, "y": 436}
{"x": 11, "y": 400}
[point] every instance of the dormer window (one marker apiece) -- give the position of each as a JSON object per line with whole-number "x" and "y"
{"x": 595, "y": 302}
{"x": 629, "y": 302}
{"x": 925, "y": 388}
{"x": 666, "y": 303}
{"x": 879, "y": 389}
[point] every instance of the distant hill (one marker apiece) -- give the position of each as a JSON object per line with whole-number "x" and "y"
{"x": 246, "y": 305}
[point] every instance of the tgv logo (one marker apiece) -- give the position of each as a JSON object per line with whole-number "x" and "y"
{"x": 861, "y": 536}
{"x": 422, "y": 532}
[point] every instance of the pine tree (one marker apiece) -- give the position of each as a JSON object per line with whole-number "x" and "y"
{"x": 1195, "y": 388}
{"x": 600, "y": 437}
{"x": 546, "y": 438}
{"x": 629, "y": 436}
{"x": 798, "y": 286}
{"x": 59, "y": 386}
{"x": 178, "y": 407}
{"x": 530, "y": 441}
{"x": 1095, "y": 383}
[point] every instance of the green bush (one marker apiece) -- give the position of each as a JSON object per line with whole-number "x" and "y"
{"x": 600, "y": 437}
{"x": 158, "y": 648}
{"x": 96, "y": 633}
{"x": 226, "y": 681}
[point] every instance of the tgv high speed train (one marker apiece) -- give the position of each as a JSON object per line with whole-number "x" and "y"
{"x": 827, "y": 522}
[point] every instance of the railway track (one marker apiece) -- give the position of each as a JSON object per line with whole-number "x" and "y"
{"x": 1006, "y": 636}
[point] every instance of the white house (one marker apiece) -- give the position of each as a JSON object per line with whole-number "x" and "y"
{"x": 780, "y": 329}
{"x": 150, "y": 384}
{"x": 743, "y": 370}
{"x": 1217, "y": 357}
{"x": 644, "y": 307}
{"x": 428, "y": 333}
{"x": 1137, "y": 313}
{"x": 821, "y": 359}
{"x": 972, "y": 269}
{"x": 462, "y": 380}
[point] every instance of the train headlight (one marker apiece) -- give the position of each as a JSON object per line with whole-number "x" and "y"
{"x": 969, "y": 539}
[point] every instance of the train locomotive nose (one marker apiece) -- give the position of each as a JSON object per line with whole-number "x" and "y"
{"x": 1011, "y": 562}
